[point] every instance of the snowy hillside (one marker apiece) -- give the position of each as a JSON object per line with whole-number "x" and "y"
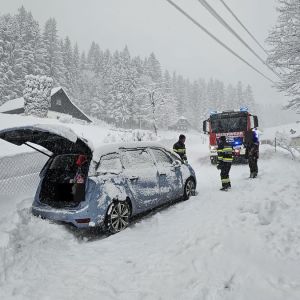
{"x": 291, "y": 129}
{"x": 243, "y": 244}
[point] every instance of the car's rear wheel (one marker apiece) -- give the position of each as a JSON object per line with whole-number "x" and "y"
{"x": 118, "y": 216}
{"x": 189, "y": 189}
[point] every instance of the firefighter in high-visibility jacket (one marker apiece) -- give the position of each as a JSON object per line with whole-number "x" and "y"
{"x": 224, "y": 162}
{"x": 179, "y": 148}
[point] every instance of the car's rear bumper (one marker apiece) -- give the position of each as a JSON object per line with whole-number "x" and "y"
{"x": 80, "y": 218}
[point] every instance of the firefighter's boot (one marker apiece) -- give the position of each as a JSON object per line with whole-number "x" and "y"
{"x": 224, "y": 188}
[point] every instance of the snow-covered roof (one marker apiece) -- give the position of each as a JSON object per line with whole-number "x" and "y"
{"x": 182, "y": 118}
{"x": 60, "y": 88}
{"x": 12, "y": 105}
{"x": 55, "y": 90}
{"x": 19, "y": 102}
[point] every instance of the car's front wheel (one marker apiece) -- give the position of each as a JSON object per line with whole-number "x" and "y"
{"x": 118, "y": 216}
{"x": 189, "y": 188}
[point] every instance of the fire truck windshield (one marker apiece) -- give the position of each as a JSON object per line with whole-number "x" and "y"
{"x": 228, "y": 124}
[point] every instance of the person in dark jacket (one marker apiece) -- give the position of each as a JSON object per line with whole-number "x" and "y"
{"x": 179, "y": 148}
{"x": 224, "y": 162}
{"x": 252, "y": 151}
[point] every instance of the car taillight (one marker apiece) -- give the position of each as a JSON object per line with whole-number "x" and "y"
{"x": 82, "y": 221}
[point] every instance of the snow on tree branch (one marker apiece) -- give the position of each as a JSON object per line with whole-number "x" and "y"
{"x": 284, "y": 54}
{"x": 37, "y": 95}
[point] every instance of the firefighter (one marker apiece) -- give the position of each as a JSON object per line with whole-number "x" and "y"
{"x": 252, "y": 151}
{"x": 179, "y": 148}
{"x": 224, "y": 162}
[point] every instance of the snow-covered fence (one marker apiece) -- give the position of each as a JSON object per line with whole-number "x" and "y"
{"x": 19, "y": 174}
{"x": 267, "y": 142}
{"x": 283, "y": 141}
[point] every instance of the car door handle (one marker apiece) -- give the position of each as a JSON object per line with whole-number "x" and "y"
{"x": 134, "y": 178}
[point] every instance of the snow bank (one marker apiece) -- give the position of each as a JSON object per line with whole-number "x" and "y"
{"x": 243, "y": 244}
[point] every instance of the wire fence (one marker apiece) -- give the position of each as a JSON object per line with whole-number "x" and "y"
{"x": 292, "y": 147}
{"x": 19, "y": 174}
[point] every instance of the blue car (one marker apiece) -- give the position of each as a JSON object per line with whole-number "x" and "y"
{"x": 105, "y": 186}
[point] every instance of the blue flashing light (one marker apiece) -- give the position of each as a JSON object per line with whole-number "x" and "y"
{"x": 244, "y": 108}
{"x": 237, "y": 141}
{"x": 213, "y": 112}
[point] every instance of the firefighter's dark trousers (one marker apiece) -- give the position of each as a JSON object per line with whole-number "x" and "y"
{"x": 253, "y": 164}
{"x": 225, "y": 168}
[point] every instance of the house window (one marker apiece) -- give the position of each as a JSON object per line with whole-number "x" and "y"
{"x": 58, "y": 102}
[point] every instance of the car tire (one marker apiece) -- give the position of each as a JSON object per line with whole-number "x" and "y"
{"x": 118, "y": 216}
{"x": 189, "y": 188}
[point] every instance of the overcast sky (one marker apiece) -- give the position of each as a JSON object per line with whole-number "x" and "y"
{"x": 154, "y": 25}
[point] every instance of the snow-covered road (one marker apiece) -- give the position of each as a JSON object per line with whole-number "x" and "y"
{"x": 241, "y": 244}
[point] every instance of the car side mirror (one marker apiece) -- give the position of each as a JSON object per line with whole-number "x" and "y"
{"x": 176, "y": 163}
{"x": 255, "y": 121}
{"x": 205, "y": 126}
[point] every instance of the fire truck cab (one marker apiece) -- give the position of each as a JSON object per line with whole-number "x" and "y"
{"x": 232, "y": 124}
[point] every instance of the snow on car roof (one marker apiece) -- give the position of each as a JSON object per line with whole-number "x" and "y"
{"x": 73, "y": 134}
{"x": 110, "y": 148}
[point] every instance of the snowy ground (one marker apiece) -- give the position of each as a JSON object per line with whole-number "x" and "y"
{"x": 243, "y": 244}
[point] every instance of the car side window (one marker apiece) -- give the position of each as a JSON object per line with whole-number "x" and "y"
{"x": 110, "y": 163}
{"x": 161, "y": 157}
{"x": 137, "y": 158}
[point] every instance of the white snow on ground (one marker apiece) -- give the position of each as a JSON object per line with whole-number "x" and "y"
{"x": 243, "y": 244}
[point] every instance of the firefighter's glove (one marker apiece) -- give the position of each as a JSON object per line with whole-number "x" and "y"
{"x": 219, "y": 167}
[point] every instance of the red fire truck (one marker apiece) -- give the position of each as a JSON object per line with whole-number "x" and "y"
{"x": 233, "y": 124}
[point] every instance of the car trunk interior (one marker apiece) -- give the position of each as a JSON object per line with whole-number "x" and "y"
{"x": 64, "y": 180}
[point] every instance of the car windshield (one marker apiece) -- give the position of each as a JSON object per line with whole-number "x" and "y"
{"x": 229, "y": 124}
{"x": 137, "y": 158}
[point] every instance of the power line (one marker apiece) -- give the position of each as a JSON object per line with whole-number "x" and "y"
{"x": 245, "y": 28}
{"x": 229, "y": 28}
{"x": 217, "y": 40}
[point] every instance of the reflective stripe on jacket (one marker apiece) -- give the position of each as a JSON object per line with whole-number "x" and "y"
{"x": 179, "y": 148}
{"x": 225, "y": 153}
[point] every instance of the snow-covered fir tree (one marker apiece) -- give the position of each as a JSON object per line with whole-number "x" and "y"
{"x": 112, "y": 87}
{"x": 55, "y": 67}
{"x": 37, "y": 95}
{"x": 285, "y": 46}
